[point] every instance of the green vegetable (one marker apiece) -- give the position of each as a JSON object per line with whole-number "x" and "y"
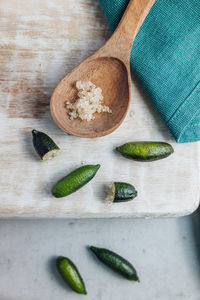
{"x": 74, "y": 181}
{"x": 121, "y": 192}
{"x": 44, "y": 145}
{"x": 116, "y": 263}
{"x": 70, "y": 274}
{"x": 145, "y": 151}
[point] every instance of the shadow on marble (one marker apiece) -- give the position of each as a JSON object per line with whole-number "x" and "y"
{"x": 195, "y": 218}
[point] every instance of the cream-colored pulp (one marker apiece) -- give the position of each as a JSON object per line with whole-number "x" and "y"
{"x": 89, "y": 102}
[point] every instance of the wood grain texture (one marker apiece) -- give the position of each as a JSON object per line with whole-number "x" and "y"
{"x": 40, "y": 42}
{"x": 109, "y": 69}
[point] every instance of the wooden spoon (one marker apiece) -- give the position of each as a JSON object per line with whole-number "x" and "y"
{"x": 109, "y": 69}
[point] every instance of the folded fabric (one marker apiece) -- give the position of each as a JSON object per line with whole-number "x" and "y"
{"x": 165, "y": 58}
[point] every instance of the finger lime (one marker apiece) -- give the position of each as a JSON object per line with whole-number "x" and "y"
{"x": 44, "y": 145}
{"x": 121, "y": 192}
{"x": 70, "y": 274}
{"x": 74, "y": 181}
{"x": 146, "y": 151}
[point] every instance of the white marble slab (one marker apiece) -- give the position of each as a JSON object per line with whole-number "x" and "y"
{"x": 164, "y": 252}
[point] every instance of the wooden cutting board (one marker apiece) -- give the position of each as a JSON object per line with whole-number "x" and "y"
{"x": 40, "y": 42}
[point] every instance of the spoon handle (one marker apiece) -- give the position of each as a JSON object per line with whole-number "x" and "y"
{"x": 131, "y": 22}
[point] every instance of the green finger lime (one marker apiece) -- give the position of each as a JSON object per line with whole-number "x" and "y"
{"x": 70, "y": 274}
{"x": 121, "y": 192}
{"x": 146, "y": 151}
{"x": 74, "y": 181}
{"x": 44, "y": 145}
{"x": 116, "y": 262}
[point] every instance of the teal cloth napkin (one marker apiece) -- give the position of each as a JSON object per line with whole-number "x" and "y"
{"x": 165, "y": 58}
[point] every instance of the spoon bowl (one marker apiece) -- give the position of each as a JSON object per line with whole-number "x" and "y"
{"x": 108, "y": 73}
{"x": 109, "y": 69}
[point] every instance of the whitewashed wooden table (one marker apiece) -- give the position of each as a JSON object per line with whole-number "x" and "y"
{"x": 40, "y": 42}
